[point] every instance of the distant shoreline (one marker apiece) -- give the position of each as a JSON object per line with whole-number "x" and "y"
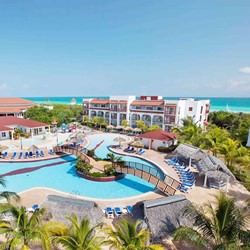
{"x": 234, "y": 104}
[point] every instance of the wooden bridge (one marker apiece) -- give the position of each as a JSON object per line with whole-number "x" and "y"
{"x": 163, "y": 182}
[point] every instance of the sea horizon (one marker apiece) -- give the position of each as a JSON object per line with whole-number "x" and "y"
{"x": 232, "y": 104}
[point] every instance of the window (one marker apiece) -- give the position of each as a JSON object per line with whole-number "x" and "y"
{"x": 201, "y": 109}
{"x": 190, "y": 109}
{"x": 40, "y": 129}
{"x": 3, "y": 134}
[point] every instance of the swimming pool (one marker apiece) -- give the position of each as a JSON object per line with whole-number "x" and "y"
{"x": 101, "y": 143}
{"x": 64, "y": 178}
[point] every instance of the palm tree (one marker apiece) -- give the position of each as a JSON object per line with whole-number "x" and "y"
{"x": 80, "y": 236}
{"x": 7, "y": 194}
{"x": 26, "y": 230}
{"x": 128, "y": 236}
{"x": 219, "y": 226}
{"x": 112, "y": 158}
{"x": 213, "y": 139}
{"x": 230, "y": 151}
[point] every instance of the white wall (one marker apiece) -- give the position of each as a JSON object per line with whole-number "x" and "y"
{"x": 7, "y": 135}
{"x": 248, "y": 140}
{"x": 156, "y": 143}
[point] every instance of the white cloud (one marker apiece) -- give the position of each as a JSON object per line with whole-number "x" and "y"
{"x": 3, "y": 86}
{"x": 245, "y": 70}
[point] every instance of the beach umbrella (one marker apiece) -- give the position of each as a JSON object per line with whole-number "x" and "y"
{"x": 137, "y": 130}
{"x": 64, "y": 125}
{"x": 119, "y": 139}
{"x": 119, "y": 127}
{"x": 110, "y": 127}
{"x": 33, "y": 148}
{"x": 128, "y": 128}
{"x": 137, "y": 144}
{"x": 3, "y": 147}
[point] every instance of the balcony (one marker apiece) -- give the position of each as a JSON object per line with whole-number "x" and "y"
{"x": 98, "y": 106}
{"x": 147, "y": 109}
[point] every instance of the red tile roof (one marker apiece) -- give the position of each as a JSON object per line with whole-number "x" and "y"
{"x": 15, "y": 100}
{"x": 3, "y": 128}
{"x": 12, "y": 109}
{"x": 12, "y": 120}
{"x": 159, "y": 135}
{"x": 99, "y": 101}
{"x": 148, "y": 103}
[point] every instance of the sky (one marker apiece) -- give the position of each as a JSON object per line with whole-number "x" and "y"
{"x": 126, "y": 47}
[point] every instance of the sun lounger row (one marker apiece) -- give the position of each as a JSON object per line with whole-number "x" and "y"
{"x": 117, "y": 212}
{"x": 26, "y": 155}
{"x": 132, "y": 150}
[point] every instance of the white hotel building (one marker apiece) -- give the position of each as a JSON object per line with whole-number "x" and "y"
{"x": 153, "y": 110}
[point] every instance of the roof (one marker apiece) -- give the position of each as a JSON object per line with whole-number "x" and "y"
{"x": 16, "y": 109}
{"x": 99, "y": 101}
{"x": 188, "y": 151}
{"x": 60, "y": 207}
{"x": 12, "y": 120}
{"x": 159, "y": 135}
{"x": 165, "y": 215}
{"x": 3, "y": 128}
{"x": 148, "y": 102}
{"x": 15, "y": 101}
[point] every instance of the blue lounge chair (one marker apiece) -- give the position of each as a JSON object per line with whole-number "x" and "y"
{"x": 139, "y": 151}
{"x": 51, "y": 152}
{"x": 129, "y": 210}
{"x": 30, "y": 154}
{"x": 127, "y": 149}
{"x": 26, "y": 155}
{"x": 42, "y": 153}
{"x": 142, "y": 152}
{"x": 35, "y": 207}
{"x": 5, "y": 155}
{"x": 37, "y": 153}
{"x": 109, "y": 212}
{"x": 132, "y": 150}
{"x": 13, "y": 156}
{"x": 118, "y": 212}
{"x": 20, "y": 155}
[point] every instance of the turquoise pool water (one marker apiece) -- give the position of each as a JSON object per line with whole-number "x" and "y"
{"x": 105, "y": 140}
{"x": 64, "y": 178}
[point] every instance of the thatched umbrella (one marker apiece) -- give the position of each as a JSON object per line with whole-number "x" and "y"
{"x": 128, "y": 128}
{"x": 33, "y": 148}
{"x": 3, "y": 147}
{"x": 119, "y": 127}
{"x": 110, "y": 127}
{"x": 137, "y": 144}
{"x": 119, "y": 139}
{"x": 137, "y": 130}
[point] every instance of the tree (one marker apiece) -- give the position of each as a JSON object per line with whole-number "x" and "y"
{"x": 230, "y": 151}
{"x": 80, "y": 236}
{"x": 112, "y": 158}
{"x": 154, "y": 128}
{"x": 125, "y": 123}
{"x": 213, "y": 139}
{"x": 141, "y": 124}
{"x": 26, "y": 230}
{"x": 7, "y": 194}
{"x": 222, "y": 225}
{"x": 128, "y": 236}
{"x": 189, "y": 133}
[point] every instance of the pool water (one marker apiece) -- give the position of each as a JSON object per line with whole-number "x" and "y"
{"x": 101, "y": 151}
{"x": 64, "y": 178}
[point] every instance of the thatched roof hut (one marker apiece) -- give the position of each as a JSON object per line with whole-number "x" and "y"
{"x": 60, "y": 207}
{"x": 189, "y": 151}
{"x": 163, "y": 216}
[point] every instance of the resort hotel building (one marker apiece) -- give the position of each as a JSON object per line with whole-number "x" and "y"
{"x": 14, "y": 106}
{"x": 153, "y": 110}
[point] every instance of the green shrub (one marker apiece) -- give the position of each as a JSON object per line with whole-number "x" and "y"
{"x": 91, "y": 153}
{"x": 98, "y": 174}
{"x": 82, "y": 166}
{"x": 167, "y": 150}
{"x": 109, "y": 170}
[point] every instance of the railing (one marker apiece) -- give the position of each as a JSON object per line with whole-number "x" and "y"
{"x": 163, "y": 182}
{"x": 77, "y": 150}
{"x": 148, "y": 176}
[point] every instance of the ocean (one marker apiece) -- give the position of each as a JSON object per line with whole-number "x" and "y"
{"x": 217, "y": 103}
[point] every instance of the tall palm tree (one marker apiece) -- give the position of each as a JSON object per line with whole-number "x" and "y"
{"x": 127, "y": 236}
{"x": 213, "y": 139}
{"x": 80, "y": 236}
{"x": 230, "y": 151}
{"x": 26, "y": 230}
{"x": 7, "y": 194}
{"x": 219, "y": 226}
